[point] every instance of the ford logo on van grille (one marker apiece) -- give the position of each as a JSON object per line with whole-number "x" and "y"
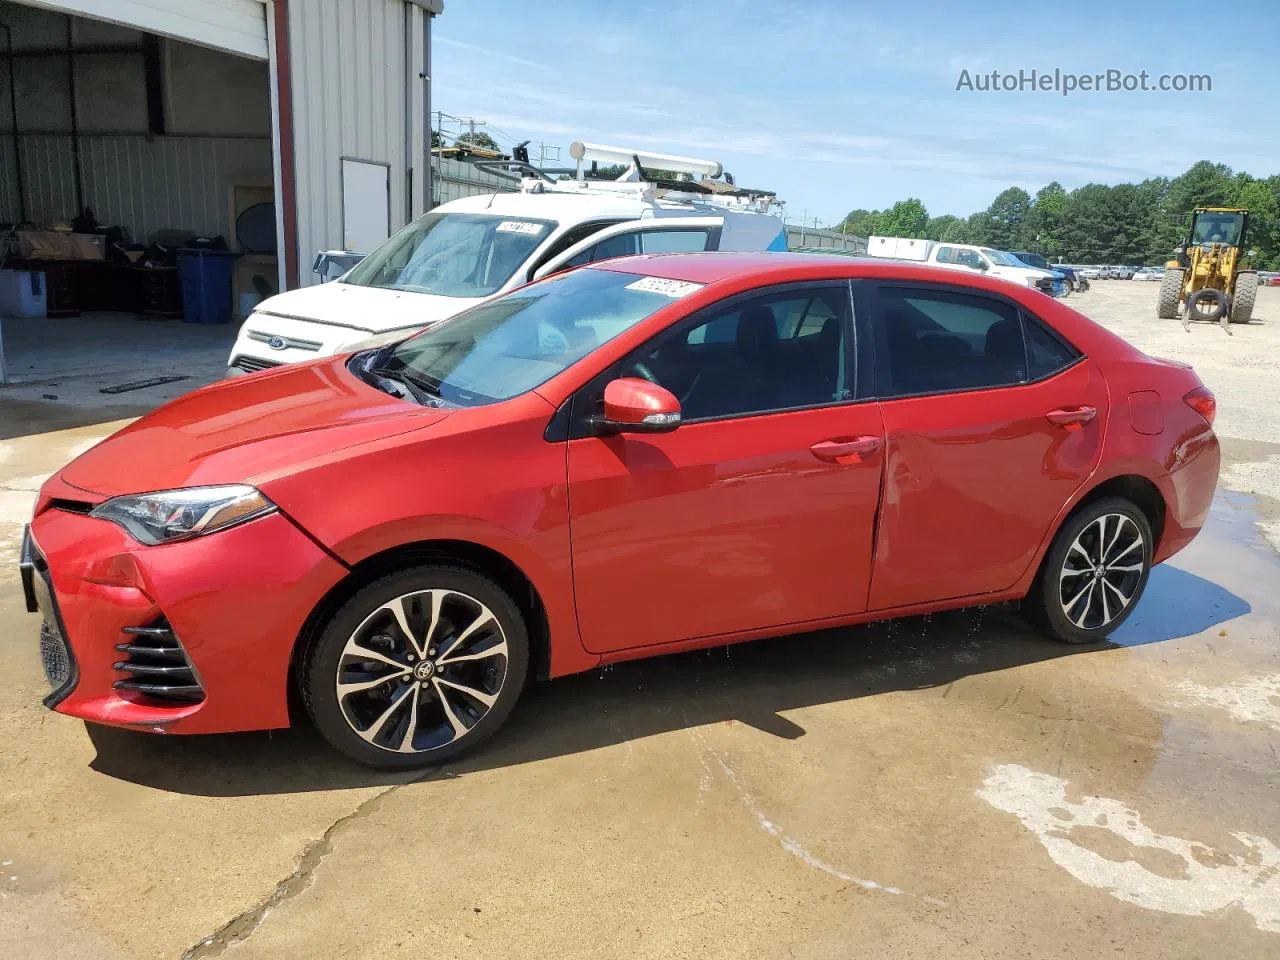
{"x": 277, "y": 343}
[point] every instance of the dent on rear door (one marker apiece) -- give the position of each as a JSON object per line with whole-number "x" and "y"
{"x": 974, "y": 482}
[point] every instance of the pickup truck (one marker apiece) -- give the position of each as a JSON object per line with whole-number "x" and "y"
{"x": 963, "y": 256}
{"x": 1040, "y": 263}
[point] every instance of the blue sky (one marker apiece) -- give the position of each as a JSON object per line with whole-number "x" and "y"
{"x": 838, "y": 104}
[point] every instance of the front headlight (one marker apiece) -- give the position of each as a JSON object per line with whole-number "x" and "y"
{"x": 154, "y": 518}
{"x": 1032, "y": 281}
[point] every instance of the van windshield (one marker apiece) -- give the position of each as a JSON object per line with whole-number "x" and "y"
{"x": 452, "y": 254}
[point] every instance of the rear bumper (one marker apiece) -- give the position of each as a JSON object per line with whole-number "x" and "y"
{"x": 1188, "y": 491}
{"x": 236, "y": 600}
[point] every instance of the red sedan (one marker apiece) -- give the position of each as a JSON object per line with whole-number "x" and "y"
{"x": 648, "y": 455}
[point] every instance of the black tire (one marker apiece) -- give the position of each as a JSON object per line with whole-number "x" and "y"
{"x": 1243, "y": 298}
{"x": 1170, "y": 294}
{"x": 1047, "y": 605}
{"x": 439, "y": 689}
{"x": 1206, "y": 303}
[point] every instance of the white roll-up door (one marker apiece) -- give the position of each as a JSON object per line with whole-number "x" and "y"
{"x": 236, "y": 26}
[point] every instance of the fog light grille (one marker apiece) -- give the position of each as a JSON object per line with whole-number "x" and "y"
{"x": 53, "y": 652}
{"x": 157, "y": 666}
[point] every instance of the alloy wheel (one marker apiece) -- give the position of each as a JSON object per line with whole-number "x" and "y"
{"x": 1102, "y": 571}
{"x": 421, "y": 671}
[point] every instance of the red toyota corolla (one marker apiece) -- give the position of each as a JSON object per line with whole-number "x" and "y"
{"x": 647, "y": 455}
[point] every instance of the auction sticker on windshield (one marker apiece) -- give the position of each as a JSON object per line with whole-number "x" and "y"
{"x": 675, "y": 289}
{"x": 520, "y": 226}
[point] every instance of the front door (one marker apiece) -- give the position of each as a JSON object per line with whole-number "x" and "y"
{"x": 759, "y": 510}
{"x": 992, "y": 422}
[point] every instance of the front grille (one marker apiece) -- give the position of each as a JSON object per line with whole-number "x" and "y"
{"x": 54, "y": 655}
{"x": 252, "y": 364}
{"x": 279, "y": 343}
{"x": 157, "y": 666}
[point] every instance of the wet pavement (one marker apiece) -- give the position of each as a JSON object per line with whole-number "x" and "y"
{"x": 945, "y": 786}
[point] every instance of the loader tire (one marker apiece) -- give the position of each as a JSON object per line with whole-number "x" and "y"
{"x": 1245, "y": 293}
{"x": 1170, "y": 294}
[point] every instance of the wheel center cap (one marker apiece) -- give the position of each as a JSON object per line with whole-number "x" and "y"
{"x": 424, "y": 670}
{"x": 1098, "y": 572}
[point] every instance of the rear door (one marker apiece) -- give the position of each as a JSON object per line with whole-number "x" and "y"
{"x": 992, "y": 422}
{"x": 654, "y": 235}
{"x": 759, "y": 509}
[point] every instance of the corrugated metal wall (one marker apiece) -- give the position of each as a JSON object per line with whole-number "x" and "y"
{"x": 799, "y": 236}
{"x": 349, "y": 78}
{"x": 455, "y": 179}
{"x": 143, "y": 184}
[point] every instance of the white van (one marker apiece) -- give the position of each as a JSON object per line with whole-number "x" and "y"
{"x": 469, "y": 249}
{"x": 965, "y": 256}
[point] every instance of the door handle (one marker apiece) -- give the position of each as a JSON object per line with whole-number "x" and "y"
{"x": 845, "y": 450}
{"x": 1066, "y": 416}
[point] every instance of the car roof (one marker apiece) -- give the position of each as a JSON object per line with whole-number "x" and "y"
{"x": 708, "y": 268}
{"x": 562, "y": 207}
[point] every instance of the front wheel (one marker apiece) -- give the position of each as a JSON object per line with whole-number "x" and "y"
{"x": 1242, "y": 300}
{"x": 1170, "y": 294}
{"x": 1094, "y": 573}
{"x": 417, "y": 667}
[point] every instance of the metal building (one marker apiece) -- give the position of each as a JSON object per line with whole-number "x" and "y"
{"x": 176, "y": 115}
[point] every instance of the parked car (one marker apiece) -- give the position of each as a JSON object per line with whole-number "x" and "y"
{"x": 466, "y": 250}
{"x": 968, "y": 257}
{"x": 1090, "y": 273}
{"x": 641, "y": 456}
{"x": 1040, "y": 263}
{"x": 1149, "y": 273}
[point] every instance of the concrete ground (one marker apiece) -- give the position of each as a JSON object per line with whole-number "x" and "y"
{"x": 951, "y": 786}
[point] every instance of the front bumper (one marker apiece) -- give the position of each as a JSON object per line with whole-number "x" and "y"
{"x": 237, "y": 600}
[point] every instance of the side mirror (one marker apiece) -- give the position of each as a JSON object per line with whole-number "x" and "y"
{"x": 632, "y": 405}
{"x": 980, "y": 265}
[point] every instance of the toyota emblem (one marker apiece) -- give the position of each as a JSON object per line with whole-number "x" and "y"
{"x": 277, "y": 343}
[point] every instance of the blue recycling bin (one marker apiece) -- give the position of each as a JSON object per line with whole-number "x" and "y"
{"x": 206, "y": 285}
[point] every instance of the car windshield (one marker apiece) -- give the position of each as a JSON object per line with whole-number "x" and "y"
{"x": 1002, "y": 258}
{"x": 452, "y": 254}
{"x": 511, "y": 344}
{"x": 1217, "y": 228}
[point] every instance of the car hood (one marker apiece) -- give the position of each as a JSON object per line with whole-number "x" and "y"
{"x": 248, "y": 430}
{"x": 363, "y": 309}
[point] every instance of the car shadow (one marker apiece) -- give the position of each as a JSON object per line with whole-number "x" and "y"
{"x": 753, "y": 683}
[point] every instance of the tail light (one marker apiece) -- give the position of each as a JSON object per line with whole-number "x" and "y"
{"x": 1202, "y": 401}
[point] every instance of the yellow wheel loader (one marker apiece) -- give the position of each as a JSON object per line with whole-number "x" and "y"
{"x": 1207, "y": 278}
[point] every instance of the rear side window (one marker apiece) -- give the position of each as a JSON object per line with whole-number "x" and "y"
{"x": 1046, "y": 353}
{"x": 935, "y": 341}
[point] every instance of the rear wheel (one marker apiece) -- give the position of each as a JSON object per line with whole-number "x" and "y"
{"x": 1170, "y": 294}
{"x": 1094, "y": 573}
{"x": 417, "y": 667}
{"x": 1242, "y": 300}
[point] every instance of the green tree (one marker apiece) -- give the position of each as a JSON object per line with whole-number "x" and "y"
{"x": 1005, "y": 218}
{"x": 906, "y": 218}
{"x": 937, "y": 227}
{"x": 478, "y": 139}
{"x": 1043, "y": 222}
{"x": 861, "y": 223}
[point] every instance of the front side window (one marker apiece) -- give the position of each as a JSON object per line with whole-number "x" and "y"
{"x": 969, "y": 258}
{"x": 452, "y": 254}
{"x": 774, "y": 352}
{"x": 931, "y": 341}
{"x": 509, "y": 345}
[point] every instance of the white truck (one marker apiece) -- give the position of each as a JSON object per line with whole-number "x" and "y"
{"x": 469, "y": 249}
{"x": 965, "y": 256}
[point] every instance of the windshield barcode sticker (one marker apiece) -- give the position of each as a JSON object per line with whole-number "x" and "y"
{"x": 519, "y": 226}
{"x": 675, "y": 289}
